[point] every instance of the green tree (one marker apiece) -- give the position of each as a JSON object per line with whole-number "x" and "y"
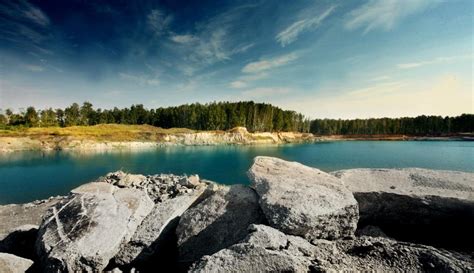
{"x": 31, "y": 117}
{"x": 72, "y": 115}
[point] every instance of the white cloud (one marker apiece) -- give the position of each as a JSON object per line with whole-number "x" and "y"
{"x": 140, "y": 79}
{"x": 158, "y": 22}
{"x": 380, "y": 78}
{"x": 291, "y": 33}
{"x": 213, "y": 40}
{"x": 238, "y": 84}
{"x": 36, "y": 15}
{"x": 183, "y": 39}
{"x": 263, "y": 65}
{"x": 264, "y": 92}
{"x": 245, "y": 80}
{"x": 34, "y": 68}
{"x": 242, "y": 48}
{"x": 384, "y": 14}
{"x": 439, "y": 60}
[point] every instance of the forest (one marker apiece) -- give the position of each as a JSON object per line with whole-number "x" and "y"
{"x": 256, "y": 117}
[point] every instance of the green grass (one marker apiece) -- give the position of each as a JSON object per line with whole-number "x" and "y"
{"x": 101, "y": 132}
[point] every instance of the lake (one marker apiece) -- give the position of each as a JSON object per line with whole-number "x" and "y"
{"x": 27, "y": 176}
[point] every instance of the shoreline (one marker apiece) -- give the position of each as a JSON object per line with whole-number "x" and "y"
{"x": 53, "y": 140}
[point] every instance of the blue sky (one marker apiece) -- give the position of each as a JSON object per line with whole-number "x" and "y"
{"x": 335, "y": 59}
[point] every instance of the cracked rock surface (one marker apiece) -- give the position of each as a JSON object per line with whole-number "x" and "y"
{"x": 304, "y": 201}
{"x": 84, "y": 231}
{"x": 217, "y": 222}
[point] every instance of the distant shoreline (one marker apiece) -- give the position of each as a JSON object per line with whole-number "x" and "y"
{"x": 116, "y": 137}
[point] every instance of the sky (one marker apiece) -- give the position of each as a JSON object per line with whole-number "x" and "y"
{"x": 325, "y": 59}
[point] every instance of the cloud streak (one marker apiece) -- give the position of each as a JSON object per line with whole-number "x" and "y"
{"x": 264, "y": 65}
{"x": 439, "y": 60}
{"x": 291, "y": 33}
{"x": 383, "y": 14}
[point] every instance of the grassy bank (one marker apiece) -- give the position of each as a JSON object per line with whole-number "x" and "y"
{"x": 102, "y": 132}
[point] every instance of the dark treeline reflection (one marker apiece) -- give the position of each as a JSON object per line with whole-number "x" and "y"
{"x": 227, "y": 115}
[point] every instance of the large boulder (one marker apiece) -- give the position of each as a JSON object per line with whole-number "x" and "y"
{"x": 217, "y": 222}
{"x": 152, "y": 237}
{"x": 268, "y": 250}
{"x": 303, "y": 201}
{"x": 13, "y": 264}
{"x": 264, "y": 250}
{"x": 425, "y": 206}
{"x": 84, "y": 231}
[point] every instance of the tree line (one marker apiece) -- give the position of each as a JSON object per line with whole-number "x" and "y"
{"x": 421, "y": 125}
{"x": 256, "y": 117}
{"x": 210, "y": 116}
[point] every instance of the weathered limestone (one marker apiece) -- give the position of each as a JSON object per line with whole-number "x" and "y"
{"x": 83, "y": 232}
{"x": 268, "y": 250}
{"x": 13, "y": 264}
{"x": 427, "y": 206}
{"x": 264, "y": 250}
{"x": 217, "y": 222}
{"x": 303, "y": 201}
{"x": 156, "y": 228}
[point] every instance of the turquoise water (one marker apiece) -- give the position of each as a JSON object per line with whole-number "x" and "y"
{"x": 28, "y": 176}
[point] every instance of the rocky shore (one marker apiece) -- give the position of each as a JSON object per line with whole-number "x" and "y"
{"x": 82, "y": 142}
{"x": 236, "y": 136}
{"x": 292, "y": 218}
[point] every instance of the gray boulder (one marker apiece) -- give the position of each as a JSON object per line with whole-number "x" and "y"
{"x": 157, "y": 228}
{"x": 303, "y": 201}
{"x": 122, "y": 179}
{"x": 13, "y": 264}
{"x": 419, "y": 205}
{"x": 84, "y": 231}
{"x": 268, "y": 250}
{"x": 217, "y": 222}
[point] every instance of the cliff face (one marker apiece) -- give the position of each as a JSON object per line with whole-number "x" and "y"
{"x": 238, "y": 135}
{"x": 292, "y": 218}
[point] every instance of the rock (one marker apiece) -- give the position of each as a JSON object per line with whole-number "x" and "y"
{"x": 418, "y": 205}
{"x": 191, "y": 181}
{"x": 268, "y": 250}
{"x": 20, "y": 241}
{"x": 217, "y": 222}
{"x": 16, "y": 215}
{"x": 84, "y": 231}
{"x": 156, "y": 229}
{"x": 123, "y": 179}
{"x": 264, "y": 250}
{"x": 13, "y": 264}
{"x": 303, "y": 201}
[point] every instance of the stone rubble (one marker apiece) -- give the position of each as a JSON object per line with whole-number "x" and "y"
{"x": 292, "y": 218}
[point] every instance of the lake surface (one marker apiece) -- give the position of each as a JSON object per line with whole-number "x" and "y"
{"x": 27, "y": 176}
